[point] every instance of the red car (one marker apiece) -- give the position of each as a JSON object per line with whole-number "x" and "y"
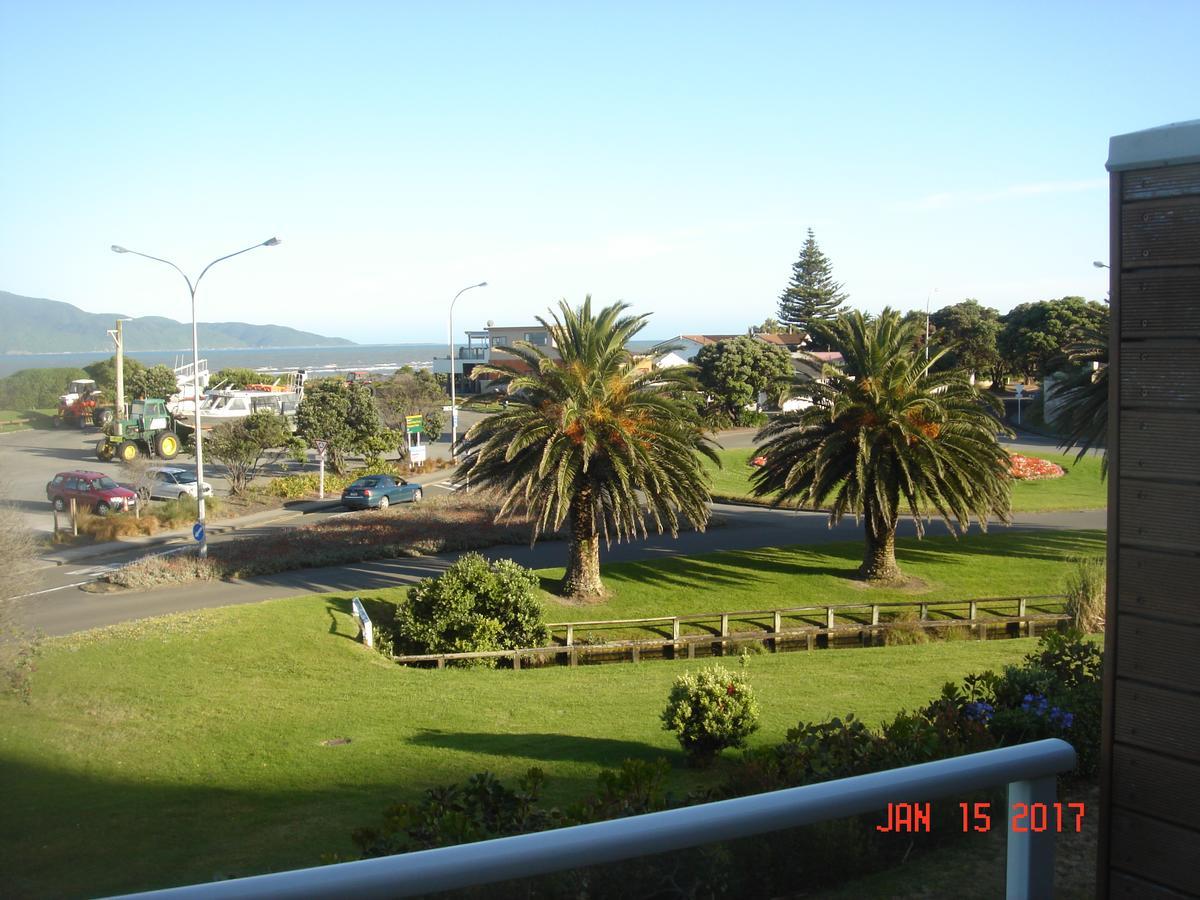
{"x": 92, "y": 491}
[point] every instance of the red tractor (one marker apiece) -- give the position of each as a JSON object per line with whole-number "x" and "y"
{"x": 80, "y": 405}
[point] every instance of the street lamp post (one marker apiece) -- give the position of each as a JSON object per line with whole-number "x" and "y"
{"x": 927, "y": 298}
{"x": 203, "y": 535}
{"x": 453, "y": 396}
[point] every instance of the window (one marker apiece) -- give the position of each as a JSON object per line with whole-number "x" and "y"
{"x": 500, "y": 340}
{"x": 537, "y": 338}
{"x": 105, "y": 484}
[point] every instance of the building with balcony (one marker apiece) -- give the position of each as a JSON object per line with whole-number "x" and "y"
{"x": 486, "y": 347}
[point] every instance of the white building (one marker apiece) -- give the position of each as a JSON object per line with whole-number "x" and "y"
{"x": 487, "y": 346}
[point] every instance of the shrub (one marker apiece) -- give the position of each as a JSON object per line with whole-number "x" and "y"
{"x": 474, "y": 606}
{"x": 1085, "y": 590}
{"x": 906, "y": 629}
{"x": 710, "y": 711}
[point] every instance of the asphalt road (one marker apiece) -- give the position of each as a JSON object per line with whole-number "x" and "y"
{"x": 63, "y": 610}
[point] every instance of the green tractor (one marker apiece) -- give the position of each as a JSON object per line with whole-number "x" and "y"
{"x": 150, "y": 429}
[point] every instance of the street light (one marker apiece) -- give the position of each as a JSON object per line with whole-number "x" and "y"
{"x": 196, "y": 371}
{"x": 453, "y": 397}
{"x": 1100, "y": 265}
{"x": 927, "y": 296}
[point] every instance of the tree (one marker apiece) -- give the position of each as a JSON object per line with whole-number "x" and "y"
{"x": 412, "y": 392}
{"x": 344, "y": 414}
{"x": 769, "y": 326}
{"x": 36, "y": 388}
{"x": 1035, "y": 334}
{"x": 1083, "y": 395}
{"x": 236, "y": 377}
{"x": 812, "y": 297}
{"x": 884, "y": 431}
{"x": 246, "y": 446}
{"x": 156, "y": 381}
{"x": 104, "y": 373}
{"x": 733, "y": 372}
{"x": 967, "y": 331}
{"x": 588, "y": 440}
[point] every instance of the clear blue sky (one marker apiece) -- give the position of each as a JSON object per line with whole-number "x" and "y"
{"x": 670, "y": 155}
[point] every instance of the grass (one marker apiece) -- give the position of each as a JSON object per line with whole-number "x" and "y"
{"x": 998, "y": 564}
{"x": 1080, "y": 488}
{"x": 22, "y": 419}
{"x": 189, "y": 747}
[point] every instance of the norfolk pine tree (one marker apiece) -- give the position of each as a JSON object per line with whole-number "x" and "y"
{"x": 812, "y": 297}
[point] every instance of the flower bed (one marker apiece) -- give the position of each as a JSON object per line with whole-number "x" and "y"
{"x": 1032, "y": 468}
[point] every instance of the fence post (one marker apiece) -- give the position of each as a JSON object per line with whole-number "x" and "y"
{"x": 570, "y": 635}
{"x": 441, "y": 662}
{"x": 74, "y": 518}
{"x": 724, "y": 624}
{"x": 691, "y": 649}
{"x": 874, "y": 613}
{"x": 776, "y": 627}
{"x": 1027, "y": 627}
{"x": 972, "y": 610}
{"x": 516, "y": 660}
{"x": 55, "y": 511}
{"x": 636, "y": 653}
{"x": 1030, "y": 872}
{"x": 675, "y": 629}
{"x": 574, "y": 660}
{"x": 829, "y": 617}
{"x": 923, "y": 612}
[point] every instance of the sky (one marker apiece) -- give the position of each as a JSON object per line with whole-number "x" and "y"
{"x": 670, "y": 155}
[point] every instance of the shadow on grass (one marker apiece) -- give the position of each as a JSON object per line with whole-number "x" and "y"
{"x": 544, "y": 746}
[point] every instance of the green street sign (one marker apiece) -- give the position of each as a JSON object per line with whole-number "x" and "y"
{"x": 414, "y": 424}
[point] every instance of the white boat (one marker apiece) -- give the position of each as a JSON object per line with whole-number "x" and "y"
{"x": 225, "y": 404}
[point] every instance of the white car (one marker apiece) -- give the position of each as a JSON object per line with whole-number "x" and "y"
{"x": 170, "y": 483}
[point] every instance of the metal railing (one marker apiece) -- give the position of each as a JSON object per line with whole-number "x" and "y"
{"x": 1028, "y": 769}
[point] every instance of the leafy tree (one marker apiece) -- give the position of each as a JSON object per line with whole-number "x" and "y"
{"x": 812, "y": 297}
{"x": 1036, "y": 334}
{"x": 1083, "y": 395}
{"x": 344, "y": 414}
{"x": 246, "y": 446}
{"x": 236, "y": 377}
{"x": 589, "y": 440}
{"x": 769, "y": 326}
{"x": 735, "y": 370}
{"x": 887, "y": 430}
{"x": 967, "y": 331}
{"x": 412, "y": 392}
{"x": 104, "y": 373}
{"x": 156, "y": 381}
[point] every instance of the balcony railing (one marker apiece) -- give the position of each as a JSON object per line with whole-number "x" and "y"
{"x": 472, "y": 352}
{"x": 1028, "y": 769}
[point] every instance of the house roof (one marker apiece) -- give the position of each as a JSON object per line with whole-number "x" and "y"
{"x": 791, "y": 341}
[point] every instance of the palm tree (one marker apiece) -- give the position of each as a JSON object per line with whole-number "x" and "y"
{"x": 887, "y": 430}
{"x": 1083, "y": 395}
{"x": 587, "y": 439}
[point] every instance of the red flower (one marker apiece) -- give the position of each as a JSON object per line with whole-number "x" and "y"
{"x": 731, "y": 690}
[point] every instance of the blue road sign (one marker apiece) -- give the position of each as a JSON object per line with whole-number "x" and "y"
{"x": 198, "y": 531}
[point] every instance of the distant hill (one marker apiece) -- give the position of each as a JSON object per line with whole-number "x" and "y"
{"x": 31, "y": 325}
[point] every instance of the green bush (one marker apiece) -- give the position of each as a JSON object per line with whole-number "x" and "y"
{"x": 473, "y": 606}
{"x": 36, "y": 388}
{"x": 710, "y": 711}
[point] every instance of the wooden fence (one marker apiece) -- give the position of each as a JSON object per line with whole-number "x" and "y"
{"x": 865, "y": 621}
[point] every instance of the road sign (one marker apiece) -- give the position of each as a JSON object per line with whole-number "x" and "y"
{"x": 1020, "y": 389}
{"x": 198, "y": 532}
{"x": 414, "y": 424}
{"x": 416, "y": 453}
{"x": 321, "y": 446}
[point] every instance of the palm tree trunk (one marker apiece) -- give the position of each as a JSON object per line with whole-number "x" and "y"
{"x": 879, "y": 560}
{"x": 583, "y": 564}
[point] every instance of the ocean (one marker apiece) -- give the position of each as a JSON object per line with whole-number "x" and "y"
{"x": 380, "y": 358}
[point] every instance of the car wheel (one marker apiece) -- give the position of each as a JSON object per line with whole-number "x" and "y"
{"x": 384, "y": 502}
{"x": 102, "y": 508}
{"x": 60, "y": 504}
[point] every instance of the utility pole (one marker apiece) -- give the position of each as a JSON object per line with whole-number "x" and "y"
{"x": 119, "y": 339}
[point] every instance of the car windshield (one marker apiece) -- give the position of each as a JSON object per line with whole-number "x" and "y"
{"x": 185, "y": 477}
{"x": 105, "y": 483}
{"x": 366, "y": 483}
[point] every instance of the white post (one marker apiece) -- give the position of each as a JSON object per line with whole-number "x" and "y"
{"x": 321, "y": 477}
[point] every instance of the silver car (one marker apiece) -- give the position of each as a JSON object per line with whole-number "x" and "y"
{"x": 170, "y": 483}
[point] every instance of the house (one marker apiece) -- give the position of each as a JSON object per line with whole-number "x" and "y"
{"x": 488, "y": 346}
{"x": 686, "y": 346}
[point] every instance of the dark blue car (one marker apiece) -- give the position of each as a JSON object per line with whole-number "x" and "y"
{"x": 379, "y": 492}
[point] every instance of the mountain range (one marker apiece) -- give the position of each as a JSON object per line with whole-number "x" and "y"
{"x": 33, "y": 325}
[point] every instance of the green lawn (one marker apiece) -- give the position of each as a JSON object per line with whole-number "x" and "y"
{"x": 189, "y": 747}
{"x": 1080, "y": 488}
{"x": 998, "y": 564}
{"x": 10, "y": 419}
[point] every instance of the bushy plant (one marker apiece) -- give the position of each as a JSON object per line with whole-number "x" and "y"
{"x": 474, "y": 606}
{"x": 1085, "y": 590}
{"x": 709, "y": 711}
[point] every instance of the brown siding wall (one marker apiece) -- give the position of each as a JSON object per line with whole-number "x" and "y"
{"x": 1150, "y": 780}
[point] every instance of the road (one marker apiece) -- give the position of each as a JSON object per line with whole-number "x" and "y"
{"x": 65, "y": 609}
